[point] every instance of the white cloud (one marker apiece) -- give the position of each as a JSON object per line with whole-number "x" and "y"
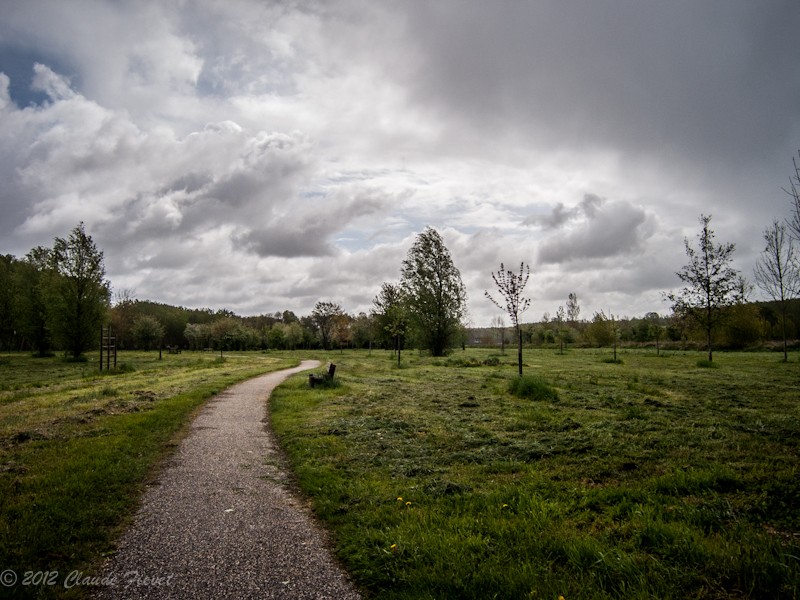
{"x": 261, "y": 156}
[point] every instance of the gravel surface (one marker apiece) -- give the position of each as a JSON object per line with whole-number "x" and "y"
{"x": 223, "y": 521}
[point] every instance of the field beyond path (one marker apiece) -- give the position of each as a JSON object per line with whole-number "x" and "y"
{"x": 221, "y": 521}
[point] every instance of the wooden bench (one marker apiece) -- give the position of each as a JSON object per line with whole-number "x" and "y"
{"x": 313, "y": 380}
{"x": 173, "y": 349}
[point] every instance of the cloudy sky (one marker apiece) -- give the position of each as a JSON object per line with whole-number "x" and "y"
{"x": 260, "y": 155}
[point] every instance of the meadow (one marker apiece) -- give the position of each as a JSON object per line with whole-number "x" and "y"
{"x": 78, "y": 447}
{"x": 654, "y": 477}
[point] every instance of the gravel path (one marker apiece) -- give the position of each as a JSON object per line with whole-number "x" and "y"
{"x": 222, "y": 521}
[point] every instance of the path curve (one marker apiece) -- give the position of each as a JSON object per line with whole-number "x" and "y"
{"x": 222, "y": 521}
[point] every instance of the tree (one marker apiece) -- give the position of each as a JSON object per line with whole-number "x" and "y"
{"x": 392, "y": 313}
{"x": 82, "y": 291}
{"x": 147, "y": 331}
{"x": 341, "y": 330}
{"x": 655, "y": 328}
{"x": 324, "y": 317}
{"x": 9, "y": 268}
{"x": 510, "y": 286}
{"x": 363, "y": 328}
{"x": 436, "y": 295}
{"x": 794, "y": 191}
{"x": 601, "y": 331}
{"x": 710, "y": 283}
{"x": 559, "y": 321}
{"x": 499, "y": 324}
{"x": 777, "y": 272}
{"x": 293, "y": 335}
{"x": 35, "y": 285}
{"x": 573, "y": 309}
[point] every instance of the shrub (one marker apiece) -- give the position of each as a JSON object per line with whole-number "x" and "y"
{"x": 707, "y": 364}
{"x": 532, "y": 387}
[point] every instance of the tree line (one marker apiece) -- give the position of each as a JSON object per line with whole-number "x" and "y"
{"x": 57, "y": 298}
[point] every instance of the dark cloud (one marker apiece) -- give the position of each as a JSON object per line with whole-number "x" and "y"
{"x": 693, "y": 78}
{"x": 607, "y": 229}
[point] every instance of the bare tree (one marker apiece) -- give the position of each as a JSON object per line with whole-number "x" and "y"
{"x": 794, "y": 191}
{"x": 777, "y": 272}
{"x": 573, "y": 310}
{"x": 710, "y": 283}
{"x": 511, "y": 286}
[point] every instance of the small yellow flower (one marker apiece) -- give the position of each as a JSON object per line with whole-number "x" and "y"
{"x": 505, "y": 505}
{"x": 393, "y": 547}
{"x": 408, "y": 503}
{"x": 561, "y": 598}
{"x": 399, "y": 498}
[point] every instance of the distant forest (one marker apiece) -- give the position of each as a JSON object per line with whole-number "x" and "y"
{"x": 57, "y": 299}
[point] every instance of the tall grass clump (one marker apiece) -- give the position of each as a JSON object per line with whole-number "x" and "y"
{"x": 532, "y": 387}
{"x": 707, "y": 364}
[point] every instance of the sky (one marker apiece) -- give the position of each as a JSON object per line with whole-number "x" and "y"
{"x": 262, "y": 156}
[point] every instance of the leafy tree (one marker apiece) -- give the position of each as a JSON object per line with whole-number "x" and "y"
{"x": 655, "y": 328}
{"x": 363, "y": 327}
{"x": 559, "y": 321}
{"x": 147, "y": 331}
{"x": 276, "y": 338}
{"x": 499, "y": 325}
{"x": 710, "y": 283}
{"x": 8, "y": 270}
{"x": 341, "y": 330}
{"x": 511, "y": 285}
{"x": 198, "y": 335}
{"x": 777, "y": 272}
{"x": 82, "y": 293}
{"x": 601, "y": 330}
{"x": 324, "y": 318}
{"x": 743, "y": 326}
{"x": 391, "y": 310}
{"x": 34, "y": 288}
{"x": 435, "y": 292}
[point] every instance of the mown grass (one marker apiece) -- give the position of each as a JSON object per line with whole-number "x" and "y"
{"x": 651, "y": 478}
{"x": 77, "y": 447}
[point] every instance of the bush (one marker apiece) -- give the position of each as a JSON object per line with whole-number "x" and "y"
{"x": 707, "y": 364}
{"x": 532, "y": 388}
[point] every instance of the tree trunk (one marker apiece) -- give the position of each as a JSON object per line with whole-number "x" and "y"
{"x": 519, "y": 350}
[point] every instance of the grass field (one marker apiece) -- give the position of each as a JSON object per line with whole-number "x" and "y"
{"x": 657, "y": 477}
{"x": 77, "y": 447}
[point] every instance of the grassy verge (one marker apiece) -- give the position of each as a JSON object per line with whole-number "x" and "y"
{"x": 76, "y": 448}
{"x": 652, "y": 478}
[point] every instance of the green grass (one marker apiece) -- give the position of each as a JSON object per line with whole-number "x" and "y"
{"x": 76, "y": 448}
{"x": 645, "y": 479}
{"x": 532, "y": 387}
